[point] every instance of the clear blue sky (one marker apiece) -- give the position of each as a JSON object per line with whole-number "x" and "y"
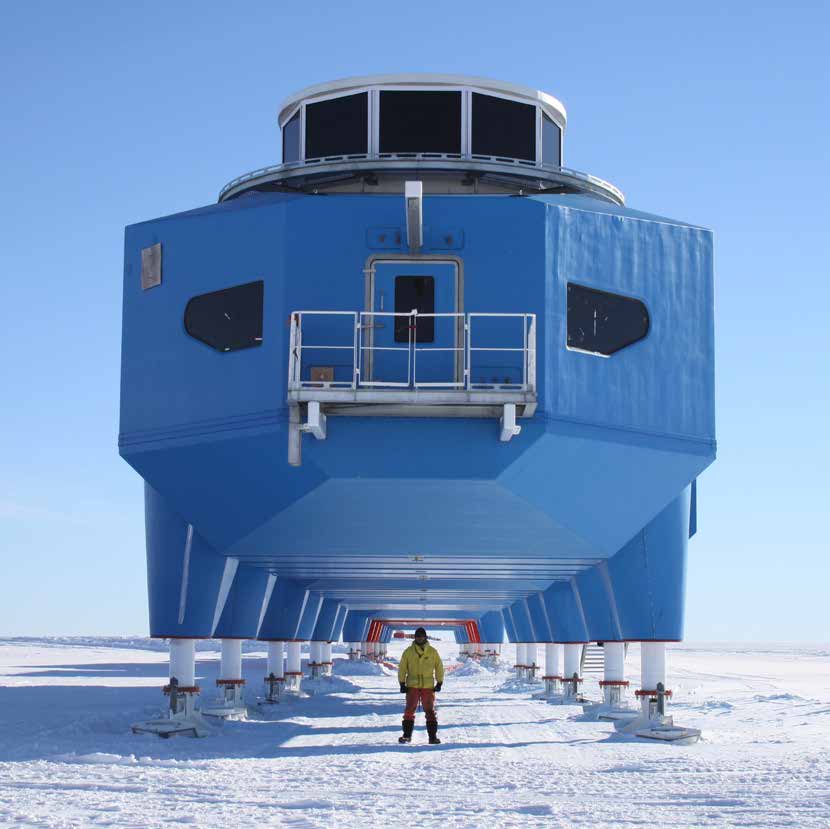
{"x": 118, "y": 112}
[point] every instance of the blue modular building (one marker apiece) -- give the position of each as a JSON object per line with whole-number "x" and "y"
{"x": 420, "y": 370}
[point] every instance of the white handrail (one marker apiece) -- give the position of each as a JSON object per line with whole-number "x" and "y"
{"x": 363, "y": 352}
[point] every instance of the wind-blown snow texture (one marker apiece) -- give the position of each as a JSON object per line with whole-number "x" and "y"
{"x": 67, "y": 757}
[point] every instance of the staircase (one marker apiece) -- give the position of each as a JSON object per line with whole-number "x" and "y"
{"x": 593, "y": 659}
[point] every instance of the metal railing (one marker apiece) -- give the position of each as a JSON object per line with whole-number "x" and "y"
{"x": 594, "y": 183}
{"x": 366, "y": 361}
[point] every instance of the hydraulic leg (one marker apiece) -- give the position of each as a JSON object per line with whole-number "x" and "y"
{"x": 530, "y": 661}
{"x": 653, "y": 723}
{"x": 571, "y": 680}
{"x": 274, "y": 673}
{"x": 315, "y": 660}
{"x": 293, "y": 670}
{"x": 552, "y": 676}
{"x": 229, "y": 703}
{"x": 327, "y": 662}
{"x": 182, "y": 718}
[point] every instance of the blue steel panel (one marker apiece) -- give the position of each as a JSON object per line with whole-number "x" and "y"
{"x": 285, "y": 611}
{"x": 665, "y": 383}
{"x": 565, "y": 612}
{"x": 355, "y": 626}
{"x": 183, "y": 582}
{"x": 309, "y": 618}
{"x": 491, "y": 627}
{"x": 509, "y": 627}
{"x": 521, "y": 621}
{"x": 649, "y": 576}
{"x": 598, "y": 605}
{"x": 326, "y": 619}
{"x": 240, "y": 615}
{"x": 539, "y": 618}
{"x": 337, "y": 631}
{"x": 693, "y": 510}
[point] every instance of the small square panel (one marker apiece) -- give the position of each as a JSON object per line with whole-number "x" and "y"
{"x": 151, "y": 266}
{"x": 322, "y": 374}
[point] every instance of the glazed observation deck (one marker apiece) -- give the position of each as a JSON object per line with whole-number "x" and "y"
{"x": 458, "y": 134}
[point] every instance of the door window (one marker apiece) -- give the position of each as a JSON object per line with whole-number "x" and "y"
{"x": 415, "y": 292}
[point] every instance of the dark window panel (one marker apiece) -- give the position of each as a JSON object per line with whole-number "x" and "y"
{"x": 291, "y": 139}
{"x": 420, "y": 122}
{"x": 415, "y": 292}
{"x": 227, "y": 320}
{"x": 604, "y": 323}
{"x": 551, "y": 142}
{"x": 338, "y": 126}
{"x": 503, "y": 128}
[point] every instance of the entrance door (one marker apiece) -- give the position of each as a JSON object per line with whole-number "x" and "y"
{"x": 410, "y": 351}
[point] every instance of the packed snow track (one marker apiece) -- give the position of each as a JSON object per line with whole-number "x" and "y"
{"x": 68, "y": 759}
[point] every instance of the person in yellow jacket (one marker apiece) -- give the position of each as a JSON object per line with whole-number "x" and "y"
{"x": 421, "y": 675}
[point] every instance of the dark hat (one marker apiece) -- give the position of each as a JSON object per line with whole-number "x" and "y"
{"x": 420, "y": 632}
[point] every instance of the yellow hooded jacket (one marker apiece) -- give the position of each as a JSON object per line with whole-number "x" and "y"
{"x": 418, "y": 665}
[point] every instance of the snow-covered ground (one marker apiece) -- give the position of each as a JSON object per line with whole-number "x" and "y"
{"x": 67, "y": 757}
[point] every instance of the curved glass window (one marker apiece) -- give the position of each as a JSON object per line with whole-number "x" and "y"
{"x": 338, "y": 126}
{"x": 227, "y": 320}
{"x": 603, "y": 323}
{"x": 291, "y": 139}
{"x": 551, "y": 142}
{"x": 503, "y": 128}
{"x": 420, "y": 122}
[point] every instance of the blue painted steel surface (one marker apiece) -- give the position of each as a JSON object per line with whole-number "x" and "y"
{"x": 285, "y": 611}
{"x": 326, "y": 619}
{"x": 589, "y": 506}
{"x": 241, "y": 611}
{"x": 355, "y": 626}
{"x": 539, "y": 618}
{"x": 491, "y": 627}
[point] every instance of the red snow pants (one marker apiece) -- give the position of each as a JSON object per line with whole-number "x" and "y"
{"x": 426, "y": 696}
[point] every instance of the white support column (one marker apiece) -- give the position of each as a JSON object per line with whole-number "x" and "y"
{"x": 613, "y": 682}
{"x": 327, "y": 662}
{"x": 276, "y": 653}
{"x": 183, "y": 670}
{"x": 530, "y": 660}
{"x": 573, "y": 655}
{"x": 183, "y": 662}
{"x": 230, "y": 666}
{"x": 182, "y": 717}
{"x": 553, "y": 676}
{"x": 652, "y": 674}
{"x": 315, "y": 659}
{"x": 521, "y": 660}
{"x": 274, "y": 672}
{"x": 293, "y": 671}
{"x": 230, "y": 680}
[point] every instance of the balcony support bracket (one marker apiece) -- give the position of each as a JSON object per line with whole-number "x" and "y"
{"x": 509, "y": 428}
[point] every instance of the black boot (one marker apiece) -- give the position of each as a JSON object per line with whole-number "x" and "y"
{"x": 406, "y": 737}
{"x": 432, "y": 730}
